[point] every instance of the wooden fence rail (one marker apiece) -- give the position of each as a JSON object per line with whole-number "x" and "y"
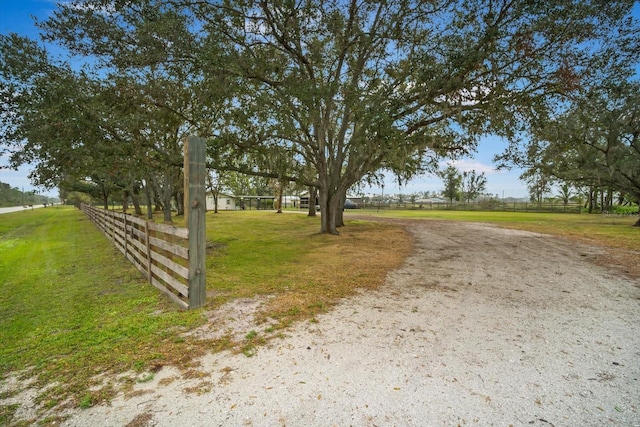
{"x": 159, "y": 251}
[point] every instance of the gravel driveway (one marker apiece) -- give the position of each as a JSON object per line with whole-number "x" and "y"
{"x": 481, "y": 326}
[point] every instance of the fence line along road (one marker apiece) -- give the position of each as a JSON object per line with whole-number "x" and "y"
{"x": 159, "y": 251}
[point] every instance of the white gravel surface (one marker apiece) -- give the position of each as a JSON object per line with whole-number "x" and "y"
{"x": 481, "y": 326}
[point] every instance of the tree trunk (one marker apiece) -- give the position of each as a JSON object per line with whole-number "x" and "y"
{"x": 335, "y": 210}
{"x": 147, "y": 191}
{"x": 159, "y": 207}
{"x": 179, "y": 198}
{"x": 166, "y": 213}
{"x": 215, "y": 191}
{"x": 166, "y": 193}
{"x": 327, "y": 225}
{"x": 621, "y": 200}
{"x": 609, "y": 199}
{"x": 313, "y": 195}
{"x": 279, "y": 200}
{"x": 166, "y": 200}
{"x": 125, "y": 201}
{"x": 135, "y": 199}
{"x": 329, "y": 204}
{"x": 340, "y": 210}
{"x": 637, "y": 224}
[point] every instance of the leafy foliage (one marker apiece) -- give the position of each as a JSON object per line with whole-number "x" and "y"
{"x": 593, "y": 144}
{"x": 452, "y": 181}
{"x": 472, "y": 184}
{"x": 322, "y": 93}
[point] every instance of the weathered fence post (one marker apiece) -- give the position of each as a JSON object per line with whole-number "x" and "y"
{"x": 195, "y": 211}
{"x": 147, "y": 243}
{"x": 126, "y": 235}
{"x": 113, "y": 227}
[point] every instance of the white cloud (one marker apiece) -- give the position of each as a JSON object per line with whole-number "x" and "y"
{"x": 466, "y": 165}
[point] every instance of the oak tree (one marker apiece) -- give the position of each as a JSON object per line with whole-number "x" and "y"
{"x": 353, "y": 87}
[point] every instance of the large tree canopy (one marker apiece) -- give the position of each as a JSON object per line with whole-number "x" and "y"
{"x": 327, "y": 93}
{"x": 353, "y": 87}
{"x": 595, "y": 143}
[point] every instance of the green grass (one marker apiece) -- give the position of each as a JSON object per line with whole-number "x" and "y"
{"x": 249, "y": 250}
{"x": 72, "y": 308}
{"x": 263, "y": 253}
{"x": 614, "y": 231}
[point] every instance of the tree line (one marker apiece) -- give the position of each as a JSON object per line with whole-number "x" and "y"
{"x": 321, "y": 94}
{"x": 592, "y": 148}
{"x": 11, "y": 196}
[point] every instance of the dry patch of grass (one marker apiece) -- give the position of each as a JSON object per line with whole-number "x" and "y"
{"x": 141, "y": 420}
{"x": 339, "y": 267}
{"x": 274, "y": 270}
{"x": 622, "y": 260}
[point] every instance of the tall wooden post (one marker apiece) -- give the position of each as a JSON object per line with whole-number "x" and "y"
{"x": 195, "y": 211}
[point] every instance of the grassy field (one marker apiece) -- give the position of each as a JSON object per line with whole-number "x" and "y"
{"x": 612, "y": 231}
{"x": 72, "y": 308}
{"x": 260, "y": 252}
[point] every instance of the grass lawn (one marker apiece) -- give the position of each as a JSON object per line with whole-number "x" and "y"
{"x": 71, "y": 308}
{"x": 260, "y": 252}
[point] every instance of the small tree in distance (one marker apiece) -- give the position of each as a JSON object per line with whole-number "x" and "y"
{"x": 539, "y": 184}
{"x": 473, "y": 185}
{"x": 452, "y": 182}
{"x": 565, "y": 194}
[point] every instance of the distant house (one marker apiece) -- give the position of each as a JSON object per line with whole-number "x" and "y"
{"x": 290, "y": 201}
{"x": 226, "y": 202}
{"x": 430, "y": 201}
{"x": 352, "y": 202}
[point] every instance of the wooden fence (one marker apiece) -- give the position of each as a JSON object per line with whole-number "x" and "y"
{"x": 159, "y": 251}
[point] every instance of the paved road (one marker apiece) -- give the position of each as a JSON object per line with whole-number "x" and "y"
{"x": 17, "y": 208}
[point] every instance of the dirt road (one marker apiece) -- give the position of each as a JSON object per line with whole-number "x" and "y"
{"x": 481, "y": 326}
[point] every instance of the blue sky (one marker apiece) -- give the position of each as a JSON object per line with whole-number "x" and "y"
{"x": 501, "y": 183}
{"x": 16, "y": 16}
